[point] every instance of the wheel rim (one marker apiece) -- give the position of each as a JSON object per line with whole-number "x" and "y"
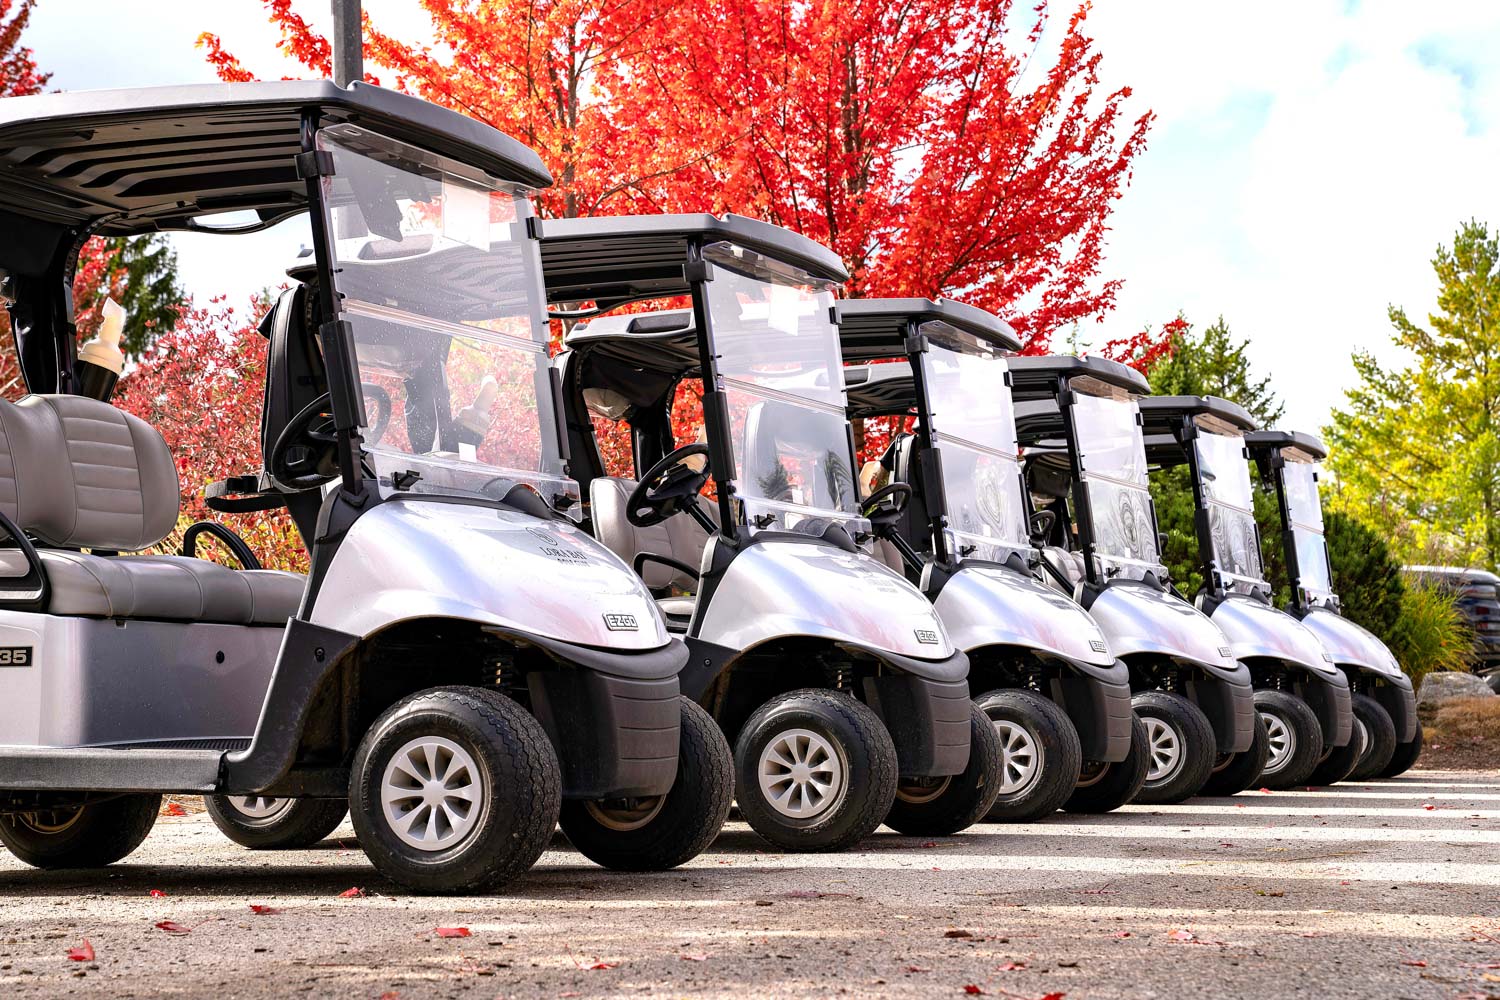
{"x": 801, "y": 774}
{"x": 625, "y": 815}
{"x": 432, "y": 793}
{"x": 49, "y": 821}
{"x": 1020, "y": 757}
{"x": 1092, "y": 773}
{"x": 259, "y": 808}
{"x": 1362, "y": 734}
{"x": 920, "y": 791}
{"x": 1164, "y": 744}
{"x": 1281, "y": 742}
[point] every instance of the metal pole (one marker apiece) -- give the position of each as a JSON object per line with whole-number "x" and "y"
{"x": 348, "y": 43}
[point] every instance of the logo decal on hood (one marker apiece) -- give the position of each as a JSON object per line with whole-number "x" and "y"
{"x": 621, "y": 623}
{"x": 927, "y": 636}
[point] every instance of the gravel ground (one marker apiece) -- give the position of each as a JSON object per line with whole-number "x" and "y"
{"x": 1388, "y": 889}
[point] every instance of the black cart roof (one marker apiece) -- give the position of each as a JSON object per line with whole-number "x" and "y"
{"x": 879, "y": 390}
{"x": 1266, "y": 441}
{"x": 876, "y": 328}
{"x": 152, "y": 159}
{"x": 611, "y": 260}
{"x": 1036, "y": 377}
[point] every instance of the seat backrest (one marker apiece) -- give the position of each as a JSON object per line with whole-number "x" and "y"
{"x": 1069, "y": 564}
{"x": 294, "y": 364}
{"x": 916, "y": 524}
{"x": 679, "y": 536}
{"x": 78, "y": 472}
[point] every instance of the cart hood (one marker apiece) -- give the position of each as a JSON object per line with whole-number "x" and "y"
{"x": 1353, "y": 645}
{"x": 1138, "y": 618}
{"x": 991, "y": 605}
{"x": 416, "y": 558}
{"x": 1256, "y": 629}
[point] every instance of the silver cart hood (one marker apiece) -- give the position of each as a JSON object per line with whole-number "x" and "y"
{"x": 986, "y": 605}
{"x": 1139, "y": 618}
{"x": 1256, "y": 629}
{"x": 1353, "y": 645}
{"x": 780, "y": 588}
{"x": 426, "y": 558}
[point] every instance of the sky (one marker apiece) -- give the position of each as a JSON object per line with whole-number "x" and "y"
{"x": 1308, "y": 157}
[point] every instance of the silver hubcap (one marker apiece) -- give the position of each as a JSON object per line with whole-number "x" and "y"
{"x": 431, "y": 793}
{"x": 1281, "y": 742}
{"x": 259, "y": 806}
{"x": 625, "y": 815}
{"x": 1020, "y": 757}
{"x": 1362, "y": 737}
{"x": 801, "y": 774}
{"x": 1165, "y": 748}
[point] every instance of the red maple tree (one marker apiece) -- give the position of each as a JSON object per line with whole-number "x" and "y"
{"x": 19, "y": 74}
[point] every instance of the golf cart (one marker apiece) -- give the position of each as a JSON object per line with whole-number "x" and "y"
{"x": 1060, "y": 702}
{"x": 1387, "y": 733}
{"x": 1078, "y": 423}
{"x": 831, "y": 674}
{"x": 1299, "y": 693}
{"x": 461, "y": 655}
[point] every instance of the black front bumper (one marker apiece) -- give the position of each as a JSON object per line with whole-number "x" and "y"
{"x": 1100, "y": 711}
{"x": 1333, "y": 703}
{"x": 1230, "y": 709}
{"x": 928, "y": 720}
{"x": 1401, "y": 704}
{"x": 615, "y": 737}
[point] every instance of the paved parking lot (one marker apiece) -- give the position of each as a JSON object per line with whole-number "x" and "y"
{"x": 1388, "y": 889}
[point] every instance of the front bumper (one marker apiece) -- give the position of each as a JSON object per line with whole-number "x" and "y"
{"x": 1401, "y": 704}
{"x": 1333, "y": 703}
{"x": 1100, "y": 711}
{"x": 615, "y": 736}
{"x": 928, "y": 720}
{"x": 1230, "y": 708}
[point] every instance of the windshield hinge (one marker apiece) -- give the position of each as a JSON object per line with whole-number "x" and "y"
{"x": 534, "y": 227}
{"x": 315, "y": 163}
{"x": 695, "y": 271}
{"x": 915, "y": 344}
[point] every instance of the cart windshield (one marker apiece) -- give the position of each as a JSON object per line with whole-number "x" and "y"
{"x": 1224, "y": 472}
{"x": 1112, "y": 456}
{"x": 973, "y": 424}
{"x": 1299, "y": 478}
{"x": 440, "y": 283}
{"x": 778, "y": 359}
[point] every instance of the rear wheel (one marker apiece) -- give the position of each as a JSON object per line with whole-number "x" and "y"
{"x": 658, "y": 832}
{"x": 1338, "y": 763}
{"x": 1380, "y": 738}
{"x": 262, "y": 823}
{"x": 1103, "y": 787}
{"x": 1180, "y": 741}
{"x": 1235, "y": 772}
{"x": 455, "y": 790}
{"x": 937, "y": 807}
{"x": 88, "y": 836}
{"x": 1295, "y": 739}
{"x": 1406, "y": 755}
{"x": 1040, "y": 755}
{"x": 814, "y": 771}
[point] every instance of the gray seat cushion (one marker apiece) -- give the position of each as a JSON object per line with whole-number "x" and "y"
{"x": 679, "y": 536}
{"x": 677, "y": 607}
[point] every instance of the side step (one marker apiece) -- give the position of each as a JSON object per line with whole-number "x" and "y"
{"x": 92, "y": 769}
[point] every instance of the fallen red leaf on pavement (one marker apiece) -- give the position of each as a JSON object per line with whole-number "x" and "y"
{"x": 930, "y": 843}
{"x": 1182, "y": 935}
{"x": 172, "y": 927}
{"x": 1429, "y": 806}
{"x": 83, "y": 953}
{"x": 1010, "y": 967}
{"x": 916, "y": 968}
{"x": 974, "y": 991}
{"x": 602, "y": 965}
{"x": 1122, "y": 934}
{"x": 390, "y": 995}
{"x": 1265, "y": 791}
{"x": 263, "y": 911}
{"x": 1344, "y": 882}
{"x": 173, "y": 809}
{"x": 451, "y": 932}
{"x": 958, "y": 932}
{"x": 1415, "y": 963}
{"x": 158, "y": 894}
{"x": 354, "y": 893}
{"x": 693, "y": 958}
{"x": 1052, "y": 996}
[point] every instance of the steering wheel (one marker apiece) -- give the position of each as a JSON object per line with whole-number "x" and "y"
{"x": 668, "y": 486}
{"x": 382, "y": 400}
{"x": 1042, "y": 523}
{"x": 305, "y": 455}
{"x": 884, "y": 507}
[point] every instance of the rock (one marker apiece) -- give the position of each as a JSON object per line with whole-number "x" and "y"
{"x": 1445, "y": 685}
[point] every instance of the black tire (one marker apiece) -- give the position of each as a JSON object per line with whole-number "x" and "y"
{"x": 663, "y": 831}
{"x": 1235, "y": 772}
{"x": 1295, "y": 737}
{"x": 90, "y": 836}
{"x": 864, "y": 756}
{"x": 1338, "y": 763}
{"x": 1104, "y": 787}
{"x": 514, "y": 768}
{"x": 1024, "y": 721}
{"x": 1380, "y": 738}
{"x": 1180, "y": 747}
{"x": 1405, "y": 756}
{"x": 944, "y": 806}
{"x": 274, "y": 824}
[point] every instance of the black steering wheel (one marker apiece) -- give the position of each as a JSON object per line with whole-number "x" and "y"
{"x": 305, "y": 455}
{"x": 668, "y": 486}
{"x": 883, "y": 508}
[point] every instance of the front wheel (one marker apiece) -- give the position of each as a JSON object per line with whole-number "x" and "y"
{"x": 86, "y": 836}
{"x": 1371, "y": 717}
{"x": 454, "y": 790}
{"x": 1338, "y": 763}
{"x": 814, "y": 771}
{"x": 1041, "y": 756}
{"x": 1406, "y": 754}
{"x": 1104, "y": 787}
{"x": 1235, "y": 772}
{"x": 937, "y": 807}
{"x": 1181, "y": 744}
{"x": 1295, "y": 739}
{"x": 262, "y": 823}
{"x": 658, "y": 832}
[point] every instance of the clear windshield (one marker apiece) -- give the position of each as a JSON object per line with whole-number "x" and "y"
{"x": 1300, "y": 480}
{"x": 974, "y": 426}
{"x": 1112, "y": 455}
{"x": 441, "y": 286}
{"x": 779, "y": 362}
{"x": 1224, "y": 472}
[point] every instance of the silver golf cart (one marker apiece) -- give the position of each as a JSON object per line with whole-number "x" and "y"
{"x": 1387, "y": 732}
{"x": 846, "y": 702}
{"x": 1056, "y": 695}
{"x": 1301, "y": 696}
{"x": 1078, "y": 423}
{"x": 462, "y": 656}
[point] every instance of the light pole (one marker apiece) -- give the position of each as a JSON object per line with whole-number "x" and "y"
{"x": 348, "y": 43}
